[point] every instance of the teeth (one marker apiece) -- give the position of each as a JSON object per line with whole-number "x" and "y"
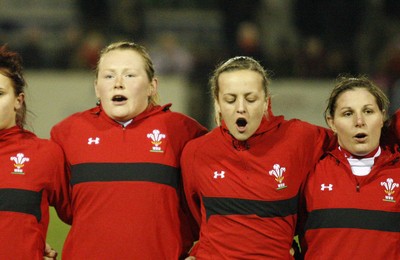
{"x": 119, "y": 98}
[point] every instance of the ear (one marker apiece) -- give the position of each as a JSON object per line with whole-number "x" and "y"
{"x": 331, "y": 123}
{"x": 19, "y": 101}
{"x": 153, "y": 87}
{"x": 217, "y": 107}
{"x": 96, "y": 90}
{"x": 217, "y": 113}
{"x": 383, "y": 117}
{"x": 266, "y": 105}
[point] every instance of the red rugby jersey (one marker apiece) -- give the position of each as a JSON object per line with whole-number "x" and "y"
{"x": 31, "y": 178}
{"x": 244, "y": 195}
{"x": 126, "y": 185}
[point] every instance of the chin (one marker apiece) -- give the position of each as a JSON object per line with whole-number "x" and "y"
{"x": 119, "y": 118}
{"x": 361, "y": 153}
{"x": 241, "y": 136}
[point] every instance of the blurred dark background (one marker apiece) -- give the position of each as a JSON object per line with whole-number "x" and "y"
{"x": 293, "y": 39}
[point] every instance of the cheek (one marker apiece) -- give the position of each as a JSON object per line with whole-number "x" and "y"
{"x": 8, "y": 108}
{"x": 260, "y": 111}
{"x": 142, "y": 90}
{"x": 341, "y": 131}
{"x": 99, "y": 90}
{"x": 227, "y": 115}
{"x": 378, "y": 128}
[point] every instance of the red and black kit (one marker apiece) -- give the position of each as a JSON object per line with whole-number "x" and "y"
{"x": 352, "y": 217}
{"x": 244, "y": 194}
{"x": 126, "y": 184}
{"x": 31, "y": 179}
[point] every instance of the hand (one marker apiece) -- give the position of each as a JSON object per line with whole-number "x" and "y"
{"x": 49, "y": 253}
{"x": 190, "y": 258}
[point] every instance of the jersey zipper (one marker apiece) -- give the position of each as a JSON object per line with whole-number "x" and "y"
{"x": 123, "y": 132}
{"x": 358, "y": 186}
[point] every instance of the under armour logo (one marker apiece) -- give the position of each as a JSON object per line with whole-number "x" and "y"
{"x": 219, "y": 174}
{"x": 329, "y": 187}
{"x": 93, "y": 141}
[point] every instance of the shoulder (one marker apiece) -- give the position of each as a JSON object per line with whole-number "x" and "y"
{"x": 295, "y": 128}
{"x": 301, "y": 124}
{"x": 181, "y": 118}
{"x": 322, "y": 169}
{"x": 306, "y": 129}
{"x": 74, "y": 120}
{"x": 203, "y": 143}
{"x": 183, "y": 124}
{"x": 43, "y": 146}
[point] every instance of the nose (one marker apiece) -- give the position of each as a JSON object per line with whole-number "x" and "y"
{"x": 119, "y": 83}
{"x": 360, "y": 121}
{"x": 241, "y": 106}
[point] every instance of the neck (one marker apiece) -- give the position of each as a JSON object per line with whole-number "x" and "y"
{"x": 372, "y": 153}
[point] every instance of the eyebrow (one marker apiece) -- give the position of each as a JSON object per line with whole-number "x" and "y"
{"x": 245, "y": 94}
{"x": 364, "y": 106}
{"x": 114, "y": 70}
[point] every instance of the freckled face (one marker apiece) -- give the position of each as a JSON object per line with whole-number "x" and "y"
{"x": 9, "y": 103}
{"x": 357, "y": 121}
{"x": 241, "y": 102}
{"x": 122, "y": 85}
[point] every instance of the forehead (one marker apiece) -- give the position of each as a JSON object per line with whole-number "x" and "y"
{"x": 356, "y": 96}
{"x": 126, "y": 57}
{"x": 5, "y": 82}
{"x": 240, "y": 81}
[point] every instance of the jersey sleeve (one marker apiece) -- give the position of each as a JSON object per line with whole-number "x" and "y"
{"x": 193, "y": 128}
{"x": 189, "y": 182}
{"x": 56, "y": 133}
{"x": 60, "y": 196}
{"x": 391, "y": 132}
{"x": 315, "y": 141}
{"x": 325, "y": 141}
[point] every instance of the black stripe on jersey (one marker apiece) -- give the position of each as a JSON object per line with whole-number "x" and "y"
{"x": 264, "y": 209}
{"x": 354, "y": 218}
{"x": 103, "y": 172}
{"x": 23, "y": 201}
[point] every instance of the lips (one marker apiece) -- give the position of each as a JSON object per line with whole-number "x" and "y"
{"x": 119, "y": 98}
{"x": 241, "y": 124}
{"x": 360, "y": 137}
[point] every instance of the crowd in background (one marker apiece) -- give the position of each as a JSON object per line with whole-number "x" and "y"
{"x": 292, "y": 38}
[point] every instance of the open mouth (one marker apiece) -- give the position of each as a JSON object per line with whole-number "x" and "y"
{"x": 241, "y": 124}
{"x": 118, "y": 98}
{"x": 360, "y": 137}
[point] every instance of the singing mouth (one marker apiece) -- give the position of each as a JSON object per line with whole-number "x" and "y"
{"x": 360, "y": 137}
{"x": 241, "y": 122}
{"x": 118, "y": 98}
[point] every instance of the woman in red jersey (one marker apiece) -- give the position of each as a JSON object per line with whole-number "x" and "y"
{"x": 353, "y": 195}
{"x": 242, "y": 180}
{"x": 124, "y": 157}
{"x": 31, "y": 172}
